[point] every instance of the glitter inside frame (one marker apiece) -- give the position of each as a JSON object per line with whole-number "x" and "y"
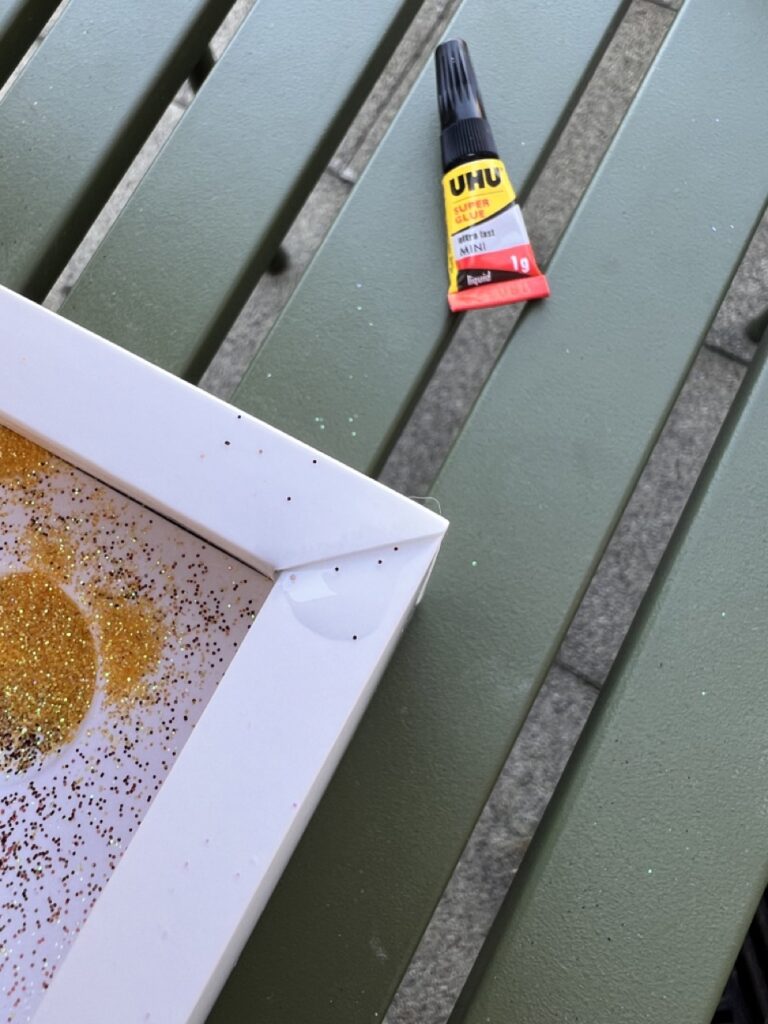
{"x": 130, "y": 622}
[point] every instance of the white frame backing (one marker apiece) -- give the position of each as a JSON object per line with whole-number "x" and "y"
{"x": 349, "y": 558}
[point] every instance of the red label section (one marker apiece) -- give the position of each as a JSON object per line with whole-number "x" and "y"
{"x": 499, "y": 294}
{"x": 519, "y": 260}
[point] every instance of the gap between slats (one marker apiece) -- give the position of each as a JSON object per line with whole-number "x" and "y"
{"x": 32, "y": 49}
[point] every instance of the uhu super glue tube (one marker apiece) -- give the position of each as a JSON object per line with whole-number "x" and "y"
{"x": 490, "y": 259}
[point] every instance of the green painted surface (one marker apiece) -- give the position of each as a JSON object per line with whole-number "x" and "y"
{"x": 183, "y": 256}
{"x": 20, "y": 24}
{"x": 641, "y": 883}
{"x": 532, "y": 489}
{"x": 371, "y": 310}
{"x": 75, "y": 117}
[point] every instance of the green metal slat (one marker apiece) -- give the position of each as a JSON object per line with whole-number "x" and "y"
{"x": 641, "y": 883}
{"x": 532, "y": 489}
{"x": 344, "y": 921}
{"x": 21, "y": 21}
{"x": 73, "y": 120}
{"x": 371, "y": 309}
{"x": 183, "y": 256}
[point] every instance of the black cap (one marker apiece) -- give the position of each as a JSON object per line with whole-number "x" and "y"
{"x": 466, "y": 133}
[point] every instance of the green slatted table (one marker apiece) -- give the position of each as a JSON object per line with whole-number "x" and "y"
{"x": 529, "y": 520}
{"x": 75, "y": 117}
{"x": 232, "y": 176}
{"x": 642, "y": 880}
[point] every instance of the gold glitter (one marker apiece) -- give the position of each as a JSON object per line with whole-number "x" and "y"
{"x": 47, "y": 667}
{"x": 21, "y": 459}
{"x": 131, "y": 641}
{"x": 52, "y": 553}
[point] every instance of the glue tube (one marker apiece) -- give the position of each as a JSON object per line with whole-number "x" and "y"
{"x": 490, "y": 259}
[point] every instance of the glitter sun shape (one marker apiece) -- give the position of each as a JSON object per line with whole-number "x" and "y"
{"x": 60, "y": 633}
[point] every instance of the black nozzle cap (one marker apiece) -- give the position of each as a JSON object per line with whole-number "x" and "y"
{"x": 466, "y": 134}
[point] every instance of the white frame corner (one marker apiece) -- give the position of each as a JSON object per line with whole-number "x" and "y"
{"x": 348, "y": 557}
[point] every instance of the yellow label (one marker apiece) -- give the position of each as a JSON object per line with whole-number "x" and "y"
{"x": 473, "y": 192}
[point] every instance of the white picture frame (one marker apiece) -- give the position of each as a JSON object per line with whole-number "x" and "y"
{"x": 349, "y": 559}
